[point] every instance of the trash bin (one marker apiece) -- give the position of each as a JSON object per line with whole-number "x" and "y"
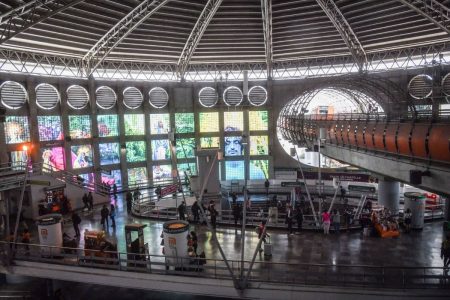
{"x": 50, "y": 234}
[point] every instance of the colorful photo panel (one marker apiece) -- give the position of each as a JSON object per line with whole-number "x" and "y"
{"x": 108, "y": 125}
{"x": 162, "y": 173}
{"x": 189, "y": 169}
{"x": 19, "y": 160}
{"x": 112, "y": 177}
{"x": 159, "y": 123}
{"x": 134, "y": 124}
{"x": 184, "y": 123}
{"x": 259, "y": 145}
{"x": 136, "y": 151}
{"x": 53, "y": 159}
{"x": 80, "y": 127}
{"x": 258, "y": 120}
{"x": 259, "y": 169}
{"x": 109, "y": 153}
{"x": 50, "y": 128}
{"x": 233, "y": 121}
{"x": 209, "y": 142}
{"x": 209, "y": 122}
{"x": 137, "y": 177}
{"x": 233, "y": 146}
{"x": 81, "y": 156}
{"x": 160, "y": 150}
{"x": 186, "y": 148}
{"x": 235, "y": 170}
{"x": 17, "y": 130}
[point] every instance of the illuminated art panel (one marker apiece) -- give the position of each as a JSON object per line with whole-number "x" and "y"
{"x": 186, "y": 148}
{"x": 53, "y": 159}
{"x": 259, "y": 169}
{"x": 50, "y": 128}
{"x": 259, "y": 145}
{"x": 209, "y": 121}
{"x": 88, "y": 178}
{"x": 114, "y": 176}
{"x": 109, "y": 153}
{"x": 137, "y": 176}
{"x": 136, "y": 151}
{"x": 80, "y": 127}
{"x": 134, "y": 124}
{"x": 19, "y": 160}
{"x": 160, "y": 149}
{"x": 233, "y": 146}
{"x": 108, "y": 125}
{"x": 81, "y": 156}
{"x": 162, "y": 173}
{"x": 209, "y": 142}
{"x": 184, "y": 123}
{"x": 258, "y": 120}
{"x": 233, "y": 121}
{"x": 235, "y": 170}
{"x": 159, "y": 123}
{"x": 189, "y": 169}
{"x": 17, "y": 130}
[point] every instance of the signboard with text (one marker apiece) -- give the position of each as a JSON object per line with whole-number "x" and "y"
{"x": 342, "y": 176}
{"x": 171, "y": 189}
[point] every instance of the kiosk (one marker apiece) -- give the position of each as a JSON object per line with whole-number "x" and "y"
{"x": 136, "y": 248}
{"x": 50, "y": 234}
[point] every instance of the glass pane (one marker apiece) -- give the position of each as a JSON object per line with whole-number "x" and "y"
{"x": 210, "y": 142}
{"x": 187, "y": 169}
{"x": 234, "y": 170}
{"x": 50, "y": 128}
{"x": 160, "y": 149}
{"x": 109, "y": 153}
{"x": 16, "y": 130}
{"x": 186, "y": 148}
{"x": 259, "y": 145}
{"x": 184, "y": 123}
{"x": 114, "y": 176}
{"x": 81, "y": 156}
{"x": 80, "y": 127}
{"x": 136, "y": 151}
{"x": 53, "y": 158}
{"x": 108, "y": 125}
{"x": 258, "y": 120}
{"x": 209, "y": 122}
{"x": 162, "y": 172}
{"x": 137, "y": 176}
{"x": 259, "y": 169}
{"x": 159, "y": 123}
{"x": 233, "y": 121}
{"x": 134, "y": 124}
{"x": 233, "y": 146}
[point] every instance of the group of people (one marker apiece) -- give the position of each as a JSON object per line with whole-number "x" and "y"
{"x": 130, "y": 196}
{"x": 88, "y": 201}
{"x": 210, "y": 212}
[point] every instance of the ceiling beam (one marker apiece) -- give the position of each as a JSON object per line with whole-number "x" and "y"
{"x": 266, "y": 10}
{"x": 196, "y": 34}
{"x": 97, "y": 54}
{"x": 346, "y": 32}
{"x": 27, "y": 15}
{"x": 434, "y": 11}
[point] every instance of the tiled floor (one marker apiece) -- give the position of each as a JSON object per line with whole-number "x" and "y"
{"x": 420, "y": 248}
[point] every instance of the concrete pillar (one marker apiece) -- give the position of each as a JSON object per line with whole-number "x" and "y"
{"x": 389, "y": 194}
{"x": 447, "y": 209}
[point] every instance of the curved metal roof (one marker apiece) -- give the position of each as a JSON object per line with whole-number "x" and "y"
{"x": 186, "y": 33}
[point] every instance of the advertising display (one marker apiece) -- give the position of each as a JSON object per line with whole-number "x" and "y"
{"x": 209, "y": 142}
{"x": 81, "y": 156}
{"x": 258, "y": 120}
{"x": 19, "y": 159}
{"x": 112, "y": 177}
{"x": 159, "y": 123}
{"x": 235, "y": 170}
{"x": 137, "y": 176}
{"x": 189, "y": 169}
{"x": 87, "y": 178}
{"x": 50, "y": 128}
{"x": 209, "y": 122}
{"x": 80, "y": 127}
{"x": 16, "y": 130}
{"x": 108, "y": 125}
{"x": 136, "y": 151}
{"x": 259, "y": 145}
{"x": 134, "y": 124}
{"x": 162, "y": 172}
{"x": 233, "y": 146}
{"x": 185, "y": 148}
{"x": 356, "y": 177}
{"x": 109, "y": 153}
{"x": 53, "y": 159}
{"x": 233, "y": 121}
{"x": 160, "y": 149}
{"x": 184, "y": 123}
{"x": 259, "y": 169}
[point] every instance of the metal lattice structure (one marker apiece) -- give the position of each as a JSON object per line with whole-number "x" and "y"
{"x": 200, "y": 40}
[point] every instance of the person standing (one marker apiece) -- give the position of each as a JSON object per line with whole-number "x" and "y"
{"x": 262, "y": 234}
{"x": 299, "y": 217}
{"x": 267, "y": 185}
{"x": 129, "y": 199}
{"x": 26, "y": 237}
{"x": 213, "y": 214}
{"x": 85, "y": 201}
{"x": 195, "y": 209}
{"x": 326, "y": 222}
{"x": 182, "y": 211}
{"x": 104, "y": 213}
{"x": 445, "y": 254}
{"x": 76, "y": 220}
{"x": 90, "y": 201}
{"x": 336, "y": 219}
{"x": 290, "y": 218}
{"x": 115, "y": 190}
{"x": 343, "y": 192}
{"x": 194, "y": 241}
{"x": 407, "y": 217}
{"x": 112, "y": 215}
{"x": 136, "y": 195}
{"x": 236, "y": 213}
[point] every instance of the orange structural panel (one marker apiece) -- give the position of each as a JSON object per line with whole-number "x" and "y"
{"x": 360, "y": 134}
{"x": 352, "y": 135}
{"x": 404, "y": 129}
{"x": 378, "y": 136}
{"x": 368, "y": 135}
{"x": 439, "y": 142}
{"x": 418, "y": 140}
{"x": 389, "y": 139}
{"x": 334, "y": 133}
{"x": 346, "y": 133}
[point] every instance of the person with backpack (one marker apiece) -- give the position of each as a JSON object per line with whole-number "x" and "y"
{"x": 445, "y": 254}
{"x": 76, "y": 220}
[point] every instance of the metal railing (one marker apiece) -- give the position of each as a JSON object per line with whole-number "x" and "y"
{"x": 395, "y": 277}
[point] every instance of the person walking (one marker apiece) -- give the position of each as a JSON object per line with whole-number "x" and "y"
{"x": 299, "y": 217}
{"x": 112, "y": 215}
{"x": 195, "y": 209}
{"x": 129, "y": 200}
{"x": 407, "y": 218}
{"x": 262, "y": 234}
{"x": 104, "y": 213}
{"x": 336, "y": 219}
{"x": 445, "y": 254}
{"x": 76, "y": 220}
{"x": 182, "y": 211}
{"x": 326, "y": 222}
{"x": 236, "y": 213}
{"x": 290, "y": 218}
{"x": 115, "y": 190}
{"x": 90, "y": 199}
{"x": 213, "y": 214}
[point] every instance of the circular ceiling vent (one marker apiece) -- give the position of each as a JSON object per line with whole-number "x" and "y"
{"x": 106, "y": 97}
{"x": 208, "y": 97}
{"x": 13, "y": 95}
{"x": 132, "y": 97}
{"x": 232, "y": 96}
{"x": 77, "y": 97}
{"x": 158, "y": 97}
{"x": 446, "y": 85}
{"x": 420, "y": 86}
{"x": 47, "y": 96}
{"x": 257, "y": 95}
